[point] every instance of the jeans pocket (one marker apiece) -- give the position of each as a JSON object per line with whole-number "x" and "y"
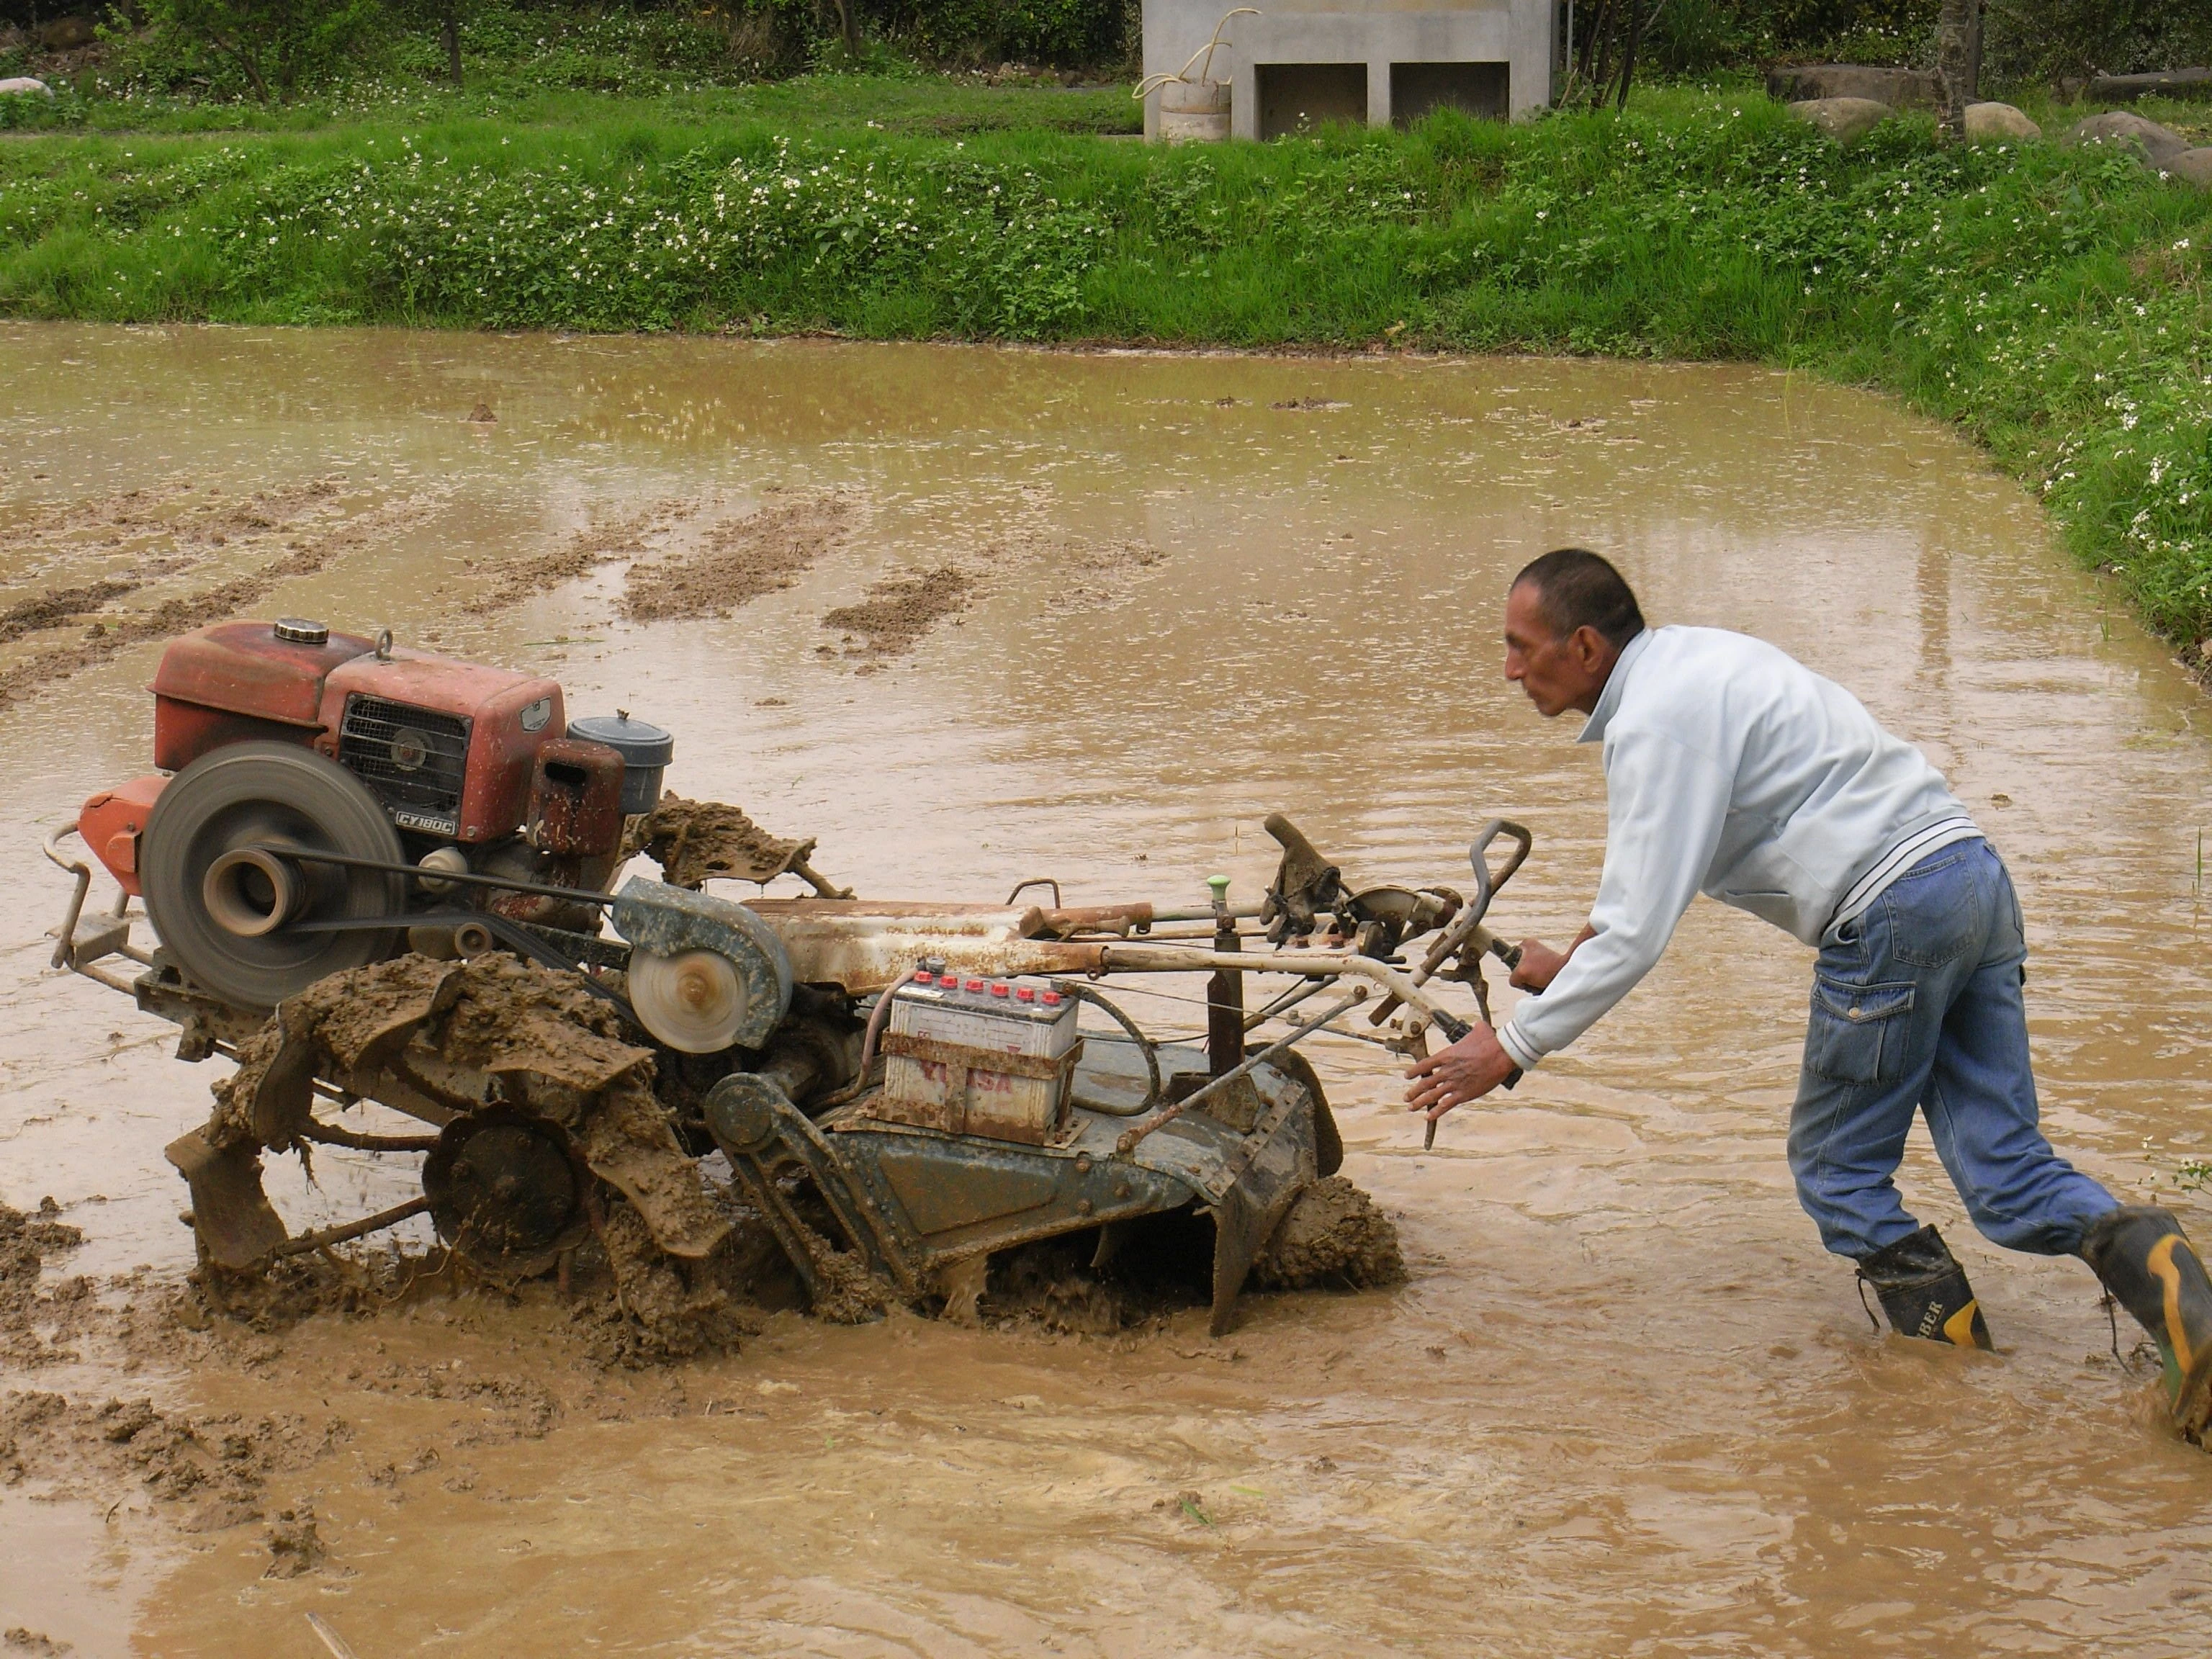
{"x": 1934, "y": 915}
{"x": 1857, "y": 1033}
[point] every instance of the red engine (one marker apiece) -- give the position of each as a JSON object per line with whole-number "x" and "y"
{"x": 378, "y": 757}
{"x": 447, "y": 747}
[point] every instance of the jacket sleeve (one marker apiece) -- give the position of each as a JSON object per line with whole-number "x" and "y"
{"x": 1665, "y": 807}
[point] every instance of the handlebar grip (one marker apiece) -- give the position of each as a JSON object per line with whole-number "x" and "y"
{"x": 1455, "y": 1028}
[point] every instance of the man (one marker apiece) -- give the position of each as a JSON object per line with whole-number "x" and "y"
{"x": 1733, "y": 770}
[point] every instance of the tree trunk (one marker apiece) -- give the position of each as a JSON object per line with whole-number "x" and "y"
{"x": 1628, "y": 56}
{"x": 1954, "y": 68}
{"x": 1599, "y": 74}
{"x": 449, "y": 36}
{"x": 1974, "y": 55}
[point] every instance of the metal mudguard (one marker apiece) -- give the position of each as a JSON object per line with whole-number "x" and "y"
{"x": 914, "y": 1201}
{"x": 668, "y": 920}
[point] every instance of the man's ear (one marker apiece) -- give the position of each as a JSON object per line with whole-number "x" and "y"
{"x": 1589, "y": 646}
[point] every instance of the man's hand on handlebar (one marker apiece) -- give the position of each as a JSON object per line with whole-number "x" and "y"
{"x": 1539, "y": 963}
{"x": 1452, "y": 1076}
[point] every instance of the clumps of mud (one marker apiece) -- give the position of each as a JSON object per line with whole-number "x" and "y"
{"x": 21, "y": 1638}
{"x": 660, "y": 1308}
{"x": 35, "y": 1323}
{"x": 1052, "y": 1284}
{"x": 295, "y": 1548}
{"x": 1303, "y": 404}
{"x": 283, "y": 1292}
{"x": 899, "y": 611}
{"x": 58, "y": 605}
{"x": 607, "y": 538}
{"x": 219, "y": 1463}
{"x": 738, "y": 561}
{"x": 1334, "y": 1236}
{"x": 693, "y": 841}
{"x": 845, "y": 1291}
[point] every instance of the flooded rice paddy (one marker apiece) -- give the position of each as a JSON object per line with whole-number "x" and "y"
{"x": 970, "y": 616}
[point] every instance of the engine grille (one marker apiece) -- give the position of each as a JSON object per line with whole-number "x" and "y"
{"x": 413, "y": 760}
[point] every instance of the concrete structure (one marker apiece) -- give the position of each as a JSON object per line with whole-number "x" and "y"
{"x": 1383, "y": 62}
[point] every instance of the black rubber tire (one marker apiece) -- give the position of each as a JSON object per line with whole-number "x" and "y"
{"x": 253, "y": 792}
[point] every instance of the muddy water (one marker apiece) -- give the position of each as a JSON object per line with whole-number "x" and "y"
{"x": 1624, "y": 1403}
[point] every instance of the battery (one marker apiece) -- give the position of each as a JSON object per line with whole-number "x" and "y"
{"x": 972, "y": 1055}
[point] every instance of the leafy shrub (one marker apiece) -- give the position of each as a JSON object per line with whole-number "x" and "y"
{"x": 276, "y": 46}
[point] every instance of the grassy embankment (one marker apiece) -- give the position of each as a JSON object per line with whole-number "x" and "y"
{"x": 2052, "y": 303}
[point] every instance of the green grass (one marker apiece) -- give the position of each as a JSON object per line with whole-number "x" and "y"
{"x": 2051, "y": 303}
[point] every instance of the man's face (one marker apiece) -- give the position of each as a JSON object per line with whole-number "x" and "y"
{"x": 1557, "y": 674}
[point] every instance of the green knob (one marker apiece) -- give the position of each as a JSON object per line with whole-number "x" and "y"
{"x": 1220, "y": 886}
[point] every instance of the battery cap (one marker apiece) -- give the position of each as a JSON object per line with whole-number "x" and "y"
{"x": 1052, "y": 998}
{"x": 999, "y": 987}
{"x": 1025, "y": 994}
{"x": 975, "y": 987}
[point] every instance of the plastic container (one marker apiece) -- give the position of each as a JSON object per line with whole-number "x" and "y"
{"x": 646, "y": 751}
{"x": 1193, "y": 112}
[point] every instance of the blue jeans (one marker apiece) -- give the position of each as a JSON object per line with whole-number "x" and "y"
{"x": 1917, "y": 1007}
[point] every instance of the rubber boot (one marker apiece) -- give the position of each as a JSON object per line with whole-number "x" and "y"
{"x": 1923, "y": 1289}
{"x": 2146, "y": 1261}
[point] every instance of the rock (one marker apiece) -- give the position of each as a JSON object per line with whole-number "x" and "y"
{"x": 482, "y": 412}
{"x": 2194, "y": 165}
{"x": 67, "y": 33}
{"x": 1900, "y": 88}
{"x": 25, "y": 86}
{"x": 1998, "y": 124}
{"x": 1846, "y": 120}
{"x": 2165, "y": 83}
{"x": 2156, "y": 145}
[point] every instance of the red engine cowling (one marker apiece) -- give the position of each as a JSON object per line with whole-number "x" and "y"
{"x": 448, "y": 747}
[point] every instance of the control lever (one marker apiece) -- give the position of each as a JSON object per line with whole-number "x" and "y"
{"x": 1467, "y": 927}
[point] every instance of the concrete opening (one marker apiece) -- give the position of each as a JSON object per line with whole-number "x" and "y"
{"x": 1299, "y": 97}
{"x": 1481, "y": 89}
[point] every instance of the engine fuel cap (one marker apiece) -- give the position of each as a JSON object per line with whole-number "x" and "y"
{"x": 298, "y": 630}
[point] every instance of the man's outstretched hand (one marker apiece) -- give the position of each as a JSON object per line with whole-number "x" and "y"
{"x": 1452, "y": 1076}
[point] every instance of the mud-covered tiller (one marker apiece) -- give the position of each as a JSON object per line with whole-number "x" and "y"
{"x": 375, "y": 873}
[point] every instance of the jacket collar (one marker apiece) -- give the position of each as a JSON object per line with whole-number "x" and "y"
{"x": 1615, "y": 688}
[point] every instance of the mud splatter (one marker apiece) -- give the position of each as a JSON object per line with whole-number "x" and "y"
{"x": 660, "y": 1309}
{"x": 26, "y": 1241}
{"x": 900, "y": 610}
{"x": 1304, "y": 403}
{"x": 738, "y": 561}
{"x": 219, "y": 1461}
{"x": 295, "y": 1548}
{"x": 1334, "y": 1235}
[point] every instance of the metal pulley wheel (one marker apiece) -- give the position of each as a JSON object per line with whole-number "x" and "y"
{"x": 242, "y": 917}
{"x": 696, "y": 1001}
{"x": 507, "y": 1191}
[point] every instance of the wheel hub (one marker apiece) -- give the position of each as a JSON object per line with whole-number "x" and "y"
{"x": 506, "y": 1191}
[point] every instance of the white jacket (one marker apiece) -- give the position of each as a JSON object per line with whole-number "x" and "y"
{"x": 1733, "y": 770}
